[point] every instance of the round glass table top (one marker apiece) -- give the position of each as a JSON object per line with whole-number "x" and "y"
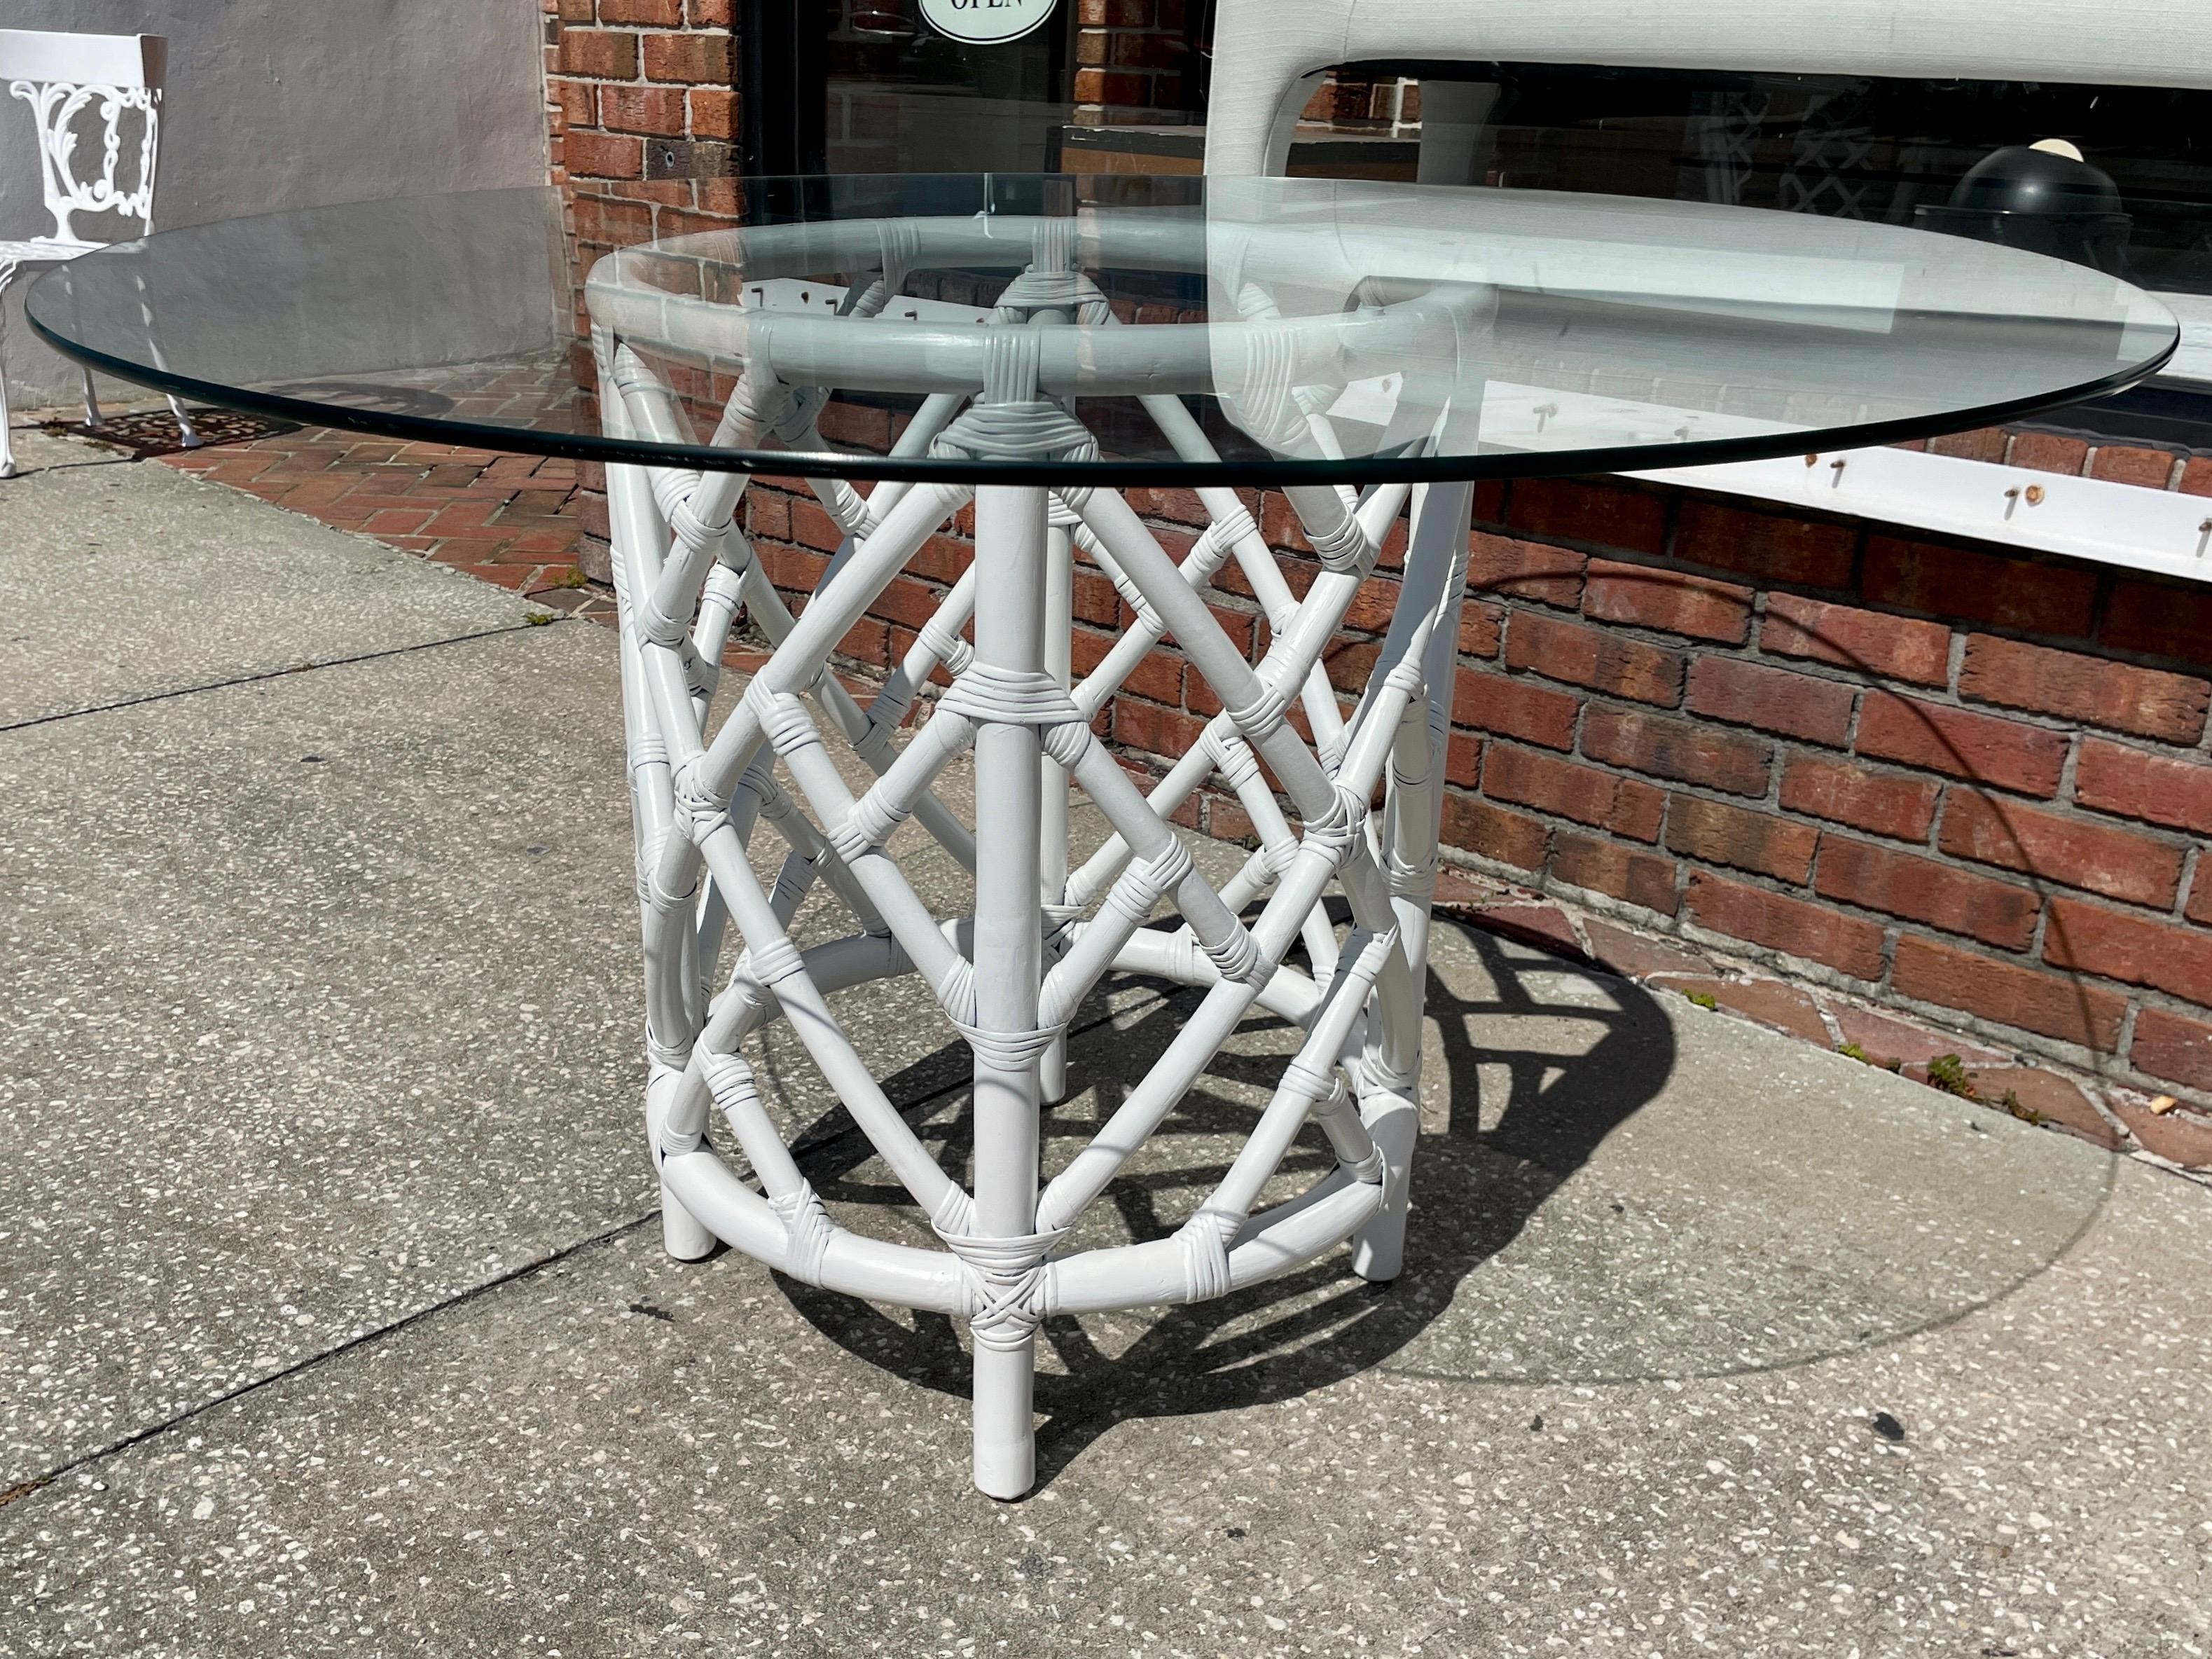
{"x": 1140, "y": 330}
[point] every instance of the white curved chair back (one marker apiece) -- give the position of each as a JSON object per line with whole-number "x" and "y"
{"x": 66, "y": 78}
{"x": 1267, "y": 53}
{"x": 61, "y": 77}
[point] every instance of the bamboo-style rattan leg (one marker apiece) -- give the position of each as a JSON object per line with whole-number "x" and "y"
{"x": 1040, "y": 939}
{"x": 1010, "y": 637}
{"x": 1411, "y": 826}
{"x": 682, "y": 1234}
{"x": 1059, "y": 629}
{"x": 188, "y": 435}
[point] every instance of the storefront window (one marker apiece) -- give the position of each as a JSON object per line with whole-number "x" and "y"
{"x": 2109, "y": 176}
{"x": 1892, "y": 151}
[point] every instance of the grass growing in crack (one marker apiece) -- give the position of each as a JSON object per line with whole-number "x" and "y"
{"x": 1948, "y": 1074}
{"x": 1704, "y": 1000}
{"x": 1852, "y": 1051}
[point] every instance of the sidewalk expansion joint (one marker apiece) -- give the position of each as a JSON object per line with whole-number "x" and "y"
{"x": 279, "y": 673}
{"x": 526, "y": 1270}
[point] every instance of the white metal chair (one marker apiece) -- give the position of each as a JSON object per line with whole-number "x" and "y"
{"x": 74, "y": 85}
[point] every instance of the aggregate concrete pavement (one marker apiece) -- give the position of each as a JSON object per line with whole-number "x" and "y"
{"x": 332, "y": 1317}
{"x": 126, "y": 581}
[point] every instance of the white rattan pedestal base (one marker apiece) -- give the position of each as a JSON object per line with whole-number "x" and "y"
{"x": 1009, "y": 975}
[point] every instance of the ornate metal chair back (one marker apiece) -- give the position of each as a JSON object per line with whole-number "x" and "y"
{"x": 83, "y": 87}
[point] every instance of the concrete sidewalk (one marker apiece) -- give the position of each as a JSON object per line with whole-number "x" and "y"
{"x": 333, "y": 1317}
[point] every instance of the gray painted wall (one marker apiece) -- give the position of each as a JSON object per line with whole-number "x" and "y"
{"x": 274, "y": 104}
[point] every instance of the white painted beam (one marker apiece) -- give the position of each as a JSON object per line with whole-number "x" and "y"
{"x": 2126, "y": 524}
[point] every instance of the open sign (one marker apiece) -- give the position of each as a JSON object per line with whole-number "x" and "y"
{"x": 987, "y": 22}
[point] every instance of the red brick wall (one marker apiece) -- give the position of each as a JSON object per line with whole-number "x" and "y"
{"x": 642, "y": 99}
{"x": 643, "y": 106}
{"x": 1944, "y": 776}
{"x": 1132, "y": 58}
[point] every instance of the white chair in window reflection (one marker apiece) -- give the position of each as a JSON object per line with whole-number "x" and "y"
{"x": 1283, "y": 52}
{"x": 1283, "y": 49}
{"x": 95, "y": 104}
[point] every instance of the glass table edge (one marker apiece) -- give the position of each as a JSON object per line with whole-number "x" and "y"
{"x": 1158, "y": 472}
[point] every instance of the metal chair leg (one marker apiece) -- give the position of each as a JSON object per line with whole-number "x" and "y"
{"x": 8, "y": 467}
{"x": 189, "y": 434}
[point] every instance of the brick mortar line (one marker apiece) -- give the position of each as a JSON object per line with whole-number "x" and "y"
{"x": 1895, "y": 928}
{"x": 1752, "y": 651}
{"x": 1740, "y": 961}
{"x": 1802, "y": 970}
{"x": 1784, "y": 746}
{"x": 1668, "y": 557}
{"x": 1789, "y": 744}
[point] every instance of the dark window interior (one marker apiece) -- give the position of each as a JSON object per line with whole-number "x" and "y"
{"x": 1849, "y": 147}
{"x": 864, "y": 85}
{"x": 1855, "y": 147}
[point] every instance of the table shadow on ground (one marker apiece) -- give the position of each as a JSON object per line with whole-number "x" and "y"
{"x": 1609, "y": 1188}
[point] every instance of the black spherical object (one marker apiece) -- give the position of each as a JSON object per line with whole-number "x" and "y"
{"x": 2039, "y": 200}
{"x": 2020, "y": 179}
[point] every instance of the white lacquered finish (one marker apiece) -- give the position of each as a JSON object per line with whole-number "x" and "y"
{"x": 1280, "y": 47}
{"x": 84, "y": 92}
{"x": 1010, "y": 975}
